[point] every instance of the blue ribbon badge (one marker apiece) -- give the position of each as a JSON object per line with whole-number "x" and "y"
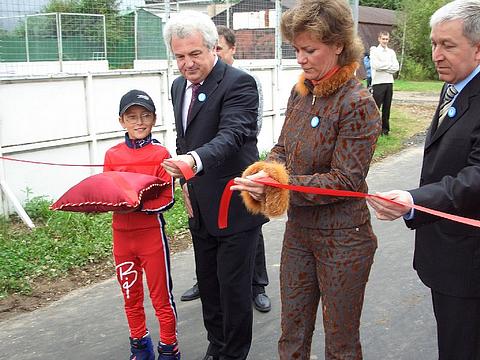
{"x": 451, "y": 112}
{"x": 202, "y": 97}
{"x": 315, "y": 121}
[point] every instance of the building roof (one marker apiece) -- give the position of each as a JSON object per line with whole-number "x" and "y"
{"x": 371, "y": 15}
{"x": 366, "y": 14}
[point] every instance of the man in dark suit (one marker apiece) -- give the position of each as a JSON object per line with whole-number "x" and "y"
{"x": 447, "y": 253}
{"x": 215, "y": 107}
{"x": 225, "y": 51}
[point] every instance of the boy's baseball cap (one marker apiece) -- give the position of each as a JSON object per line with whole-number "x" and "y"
{"x": 136, "y": 97}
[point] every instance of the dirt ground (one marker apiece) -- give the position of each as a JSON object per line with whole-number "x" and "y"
{"x": 45, "y": 291}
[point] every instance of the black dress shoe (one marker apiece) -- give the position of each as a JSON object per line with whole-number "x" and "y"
{"x": 262, "y": 302}
{"x": 191, "y": 294}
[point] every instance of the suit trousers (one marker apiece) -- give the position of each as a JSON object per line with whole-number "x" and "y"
{"x": 458, "y": 326}
{"x": 382, "y": 94}
{"x": 260, "y": 276}
{"x": 332, "y": 265}
{"x": 224, "y": 267}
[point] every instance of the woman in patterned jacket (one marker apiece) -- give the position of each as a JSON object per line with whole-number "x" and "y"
{"x": 327, "y": 141}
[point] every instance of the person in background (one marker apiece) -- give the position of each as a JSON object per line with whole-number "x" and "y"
{"x": 447, "y": 253}
{"x": 140, "y": 244}
{"x": 225, "y": 51}
{"x": 215, "y": 108}
{"x": 327, "y": 141}
{"x": 368, "y": 70}
{"x": 384, "y": 64}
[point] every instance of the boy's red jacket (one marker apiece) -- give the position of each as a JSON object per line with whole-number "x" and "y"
{"x": 145, "y": 160}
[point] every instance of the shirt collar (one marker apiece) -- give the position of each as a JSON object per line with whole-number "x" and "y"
{"x": 460, "y": 85}
{"x": 136, "y": 144}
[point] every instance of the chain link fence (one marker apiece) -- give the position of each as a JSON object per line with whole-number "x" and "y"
{"x": 46, "y": 36}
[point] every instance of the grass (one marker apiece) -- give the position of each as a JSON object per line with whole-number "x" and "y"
{"x": 421, "y": 86}
{"x": 61, "y": 242}
{"x": 403, "y": 125}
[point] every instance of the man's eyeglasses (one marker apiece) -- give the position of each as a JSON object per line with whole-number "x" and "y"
{"x": 146, "y": 118}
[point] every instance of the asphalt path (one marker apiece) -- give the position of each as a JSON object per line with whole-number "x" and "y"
{"x": 397, "y": 320}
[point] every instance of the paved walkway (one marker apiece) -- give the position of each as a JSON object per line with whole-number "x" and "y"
{"x": 397, "y": 320}
{"x": 415, "y": 97}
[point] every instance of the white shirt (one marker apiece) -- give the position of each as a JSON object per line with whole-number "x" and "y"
{"x": 384, "y": 64}
{"x": 186, "y": 104}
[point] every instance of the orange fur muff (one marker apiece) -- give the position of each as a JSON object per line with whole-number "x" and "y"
{"x": 276, "y": 200}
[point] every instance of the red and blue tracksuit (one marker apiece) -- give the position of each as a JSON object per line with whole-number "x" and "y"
{"x": 140, "y": 244}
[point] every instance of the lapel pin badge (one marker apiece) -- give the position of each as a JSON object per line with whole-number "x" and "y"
{"x": 451, "y": 112}
{"x": 315, "y": 121}
{"x": 202, "y": 97}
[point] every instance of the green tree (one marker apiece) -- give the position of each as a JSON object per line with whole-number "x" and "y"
{"x": 117, "y": 28}
{"x": 65, "y": 6}
{"x": 413, "y": 19}
{"x": 383, "y": 4}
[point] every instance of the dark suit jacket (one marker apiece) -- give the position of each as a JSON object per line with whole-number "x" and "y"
{"x": 447, "y": 254}
{"x": 222, "y": 130}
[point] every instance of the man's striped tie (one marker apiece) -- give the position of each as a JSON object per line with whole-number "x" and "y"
{"x": 446, "y": 103}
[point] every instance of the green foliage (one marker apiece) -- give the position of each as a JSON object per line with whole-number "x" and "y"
{"x": 419, "y": 71}
{"x": 61, "y": 242}
{"x": 383, "y": 4}
{"x": 176, "y": 218}
{"x": 65, "y": 6}
{"x": 402, "y": 127}
{"x": 83, "y": 6}
{"x": 414, "y": 19}
{"x": 119, "y": 29}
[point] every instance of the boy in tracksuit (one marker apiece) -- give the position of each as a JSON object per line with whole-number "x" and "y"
{"x": 139, "y": 240}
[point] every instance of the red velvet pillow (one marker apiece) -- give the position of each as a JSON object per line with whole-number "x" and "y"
{"x": 112, "y": 191}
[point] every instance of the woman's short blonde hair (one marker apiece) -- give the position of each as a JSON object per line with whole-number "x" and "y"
{"x": 329, "y": 21}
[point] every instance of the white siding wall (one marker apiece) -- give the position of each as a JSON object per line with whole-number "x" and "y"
{"x": 73, "y": 119}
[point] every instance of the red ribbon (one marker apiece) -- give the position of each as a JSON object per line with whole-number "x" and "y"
{"x": 227, "y": 194}
{"x": 184, "y": 168}
{"x": 144, "y": 163}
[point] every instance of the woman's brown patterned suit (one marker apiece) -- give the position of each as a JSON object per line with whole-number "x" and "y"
{"x": 328, "y": 245}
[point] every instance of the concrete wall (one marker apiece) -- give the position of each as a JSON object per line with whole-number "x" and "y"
{"x": 73, "y": 119}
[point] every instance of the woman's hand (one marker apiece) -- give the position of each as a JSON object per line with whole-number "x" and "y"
{"x": 256, "y": 190}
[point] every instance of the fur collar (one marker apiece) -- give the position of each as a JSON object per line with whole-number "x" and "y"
{"x": 328, "y": 86}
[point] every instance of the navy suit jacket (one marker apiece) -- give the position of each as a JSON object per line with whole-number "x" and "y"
{"x": 222, "y": 130}
{"x": 447, "y": 254}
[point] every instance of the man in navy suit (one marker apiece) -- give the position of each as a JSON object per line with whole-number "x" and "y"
{"x": 215, "y": 108}
{"x": 447, "y": 253}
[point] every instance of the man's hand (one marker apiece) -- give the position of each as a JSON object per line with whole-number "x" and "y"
{"x": 385, "y": 210}
{"x": 173, "y": 170}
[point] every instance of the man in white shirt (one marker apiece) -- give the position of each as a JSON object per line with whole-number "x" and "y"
{"x": 384, "y": 64}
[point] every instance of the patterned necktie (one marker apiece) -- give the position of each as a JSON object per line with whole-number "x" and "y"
{"x": 195, "y": 88}
{"x": 446, "y": 103}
